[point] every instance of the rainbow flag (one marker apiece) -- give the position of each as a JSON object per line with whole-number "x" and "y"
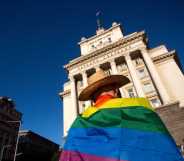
{"x": 122, "y": 129}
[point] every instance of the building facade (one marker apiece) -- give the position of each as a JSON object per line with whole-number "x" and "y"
{"x": 33, "y": 147}
{"x": 9, "y": 127}
{"x": 155, "y": 73}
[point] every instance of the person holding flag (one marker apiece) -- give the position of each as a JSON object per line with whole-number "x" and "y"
{"x": 117, "y": 129}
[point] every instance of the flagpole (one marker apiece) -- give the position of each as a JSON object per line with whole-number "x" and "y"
{"x": 99, "y": 22}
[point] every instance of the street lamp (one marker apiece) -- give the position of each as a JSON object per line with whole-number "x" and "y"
{"x": 17, "y": 141}
{"x": 2, "y": 150}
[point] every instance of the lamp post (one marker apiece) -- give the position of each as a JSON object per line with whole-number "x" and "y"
{"x": 2, "y": 150}
{"x": 17, "y": 141}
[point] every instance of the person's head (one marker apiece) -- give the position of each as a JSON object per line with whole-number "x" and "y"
{"x": 106, "y": 90}
{"x": 101, "y": 83}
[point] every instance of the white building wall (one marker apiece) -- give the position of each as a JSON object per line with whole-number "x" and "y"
{"x": 68, "y": 114}
{"x": 116, "y": 34}
{"x": 67, "y": 86}
{"x": 173, "y": 79}
{"x": 157, "y": 51}
{"x": 84, "y": 49}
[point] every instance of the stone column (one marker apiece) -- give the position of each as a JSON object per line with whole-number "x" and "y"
{"x": 84, "y": 79}
{"x": 97, "y": 68}
{"x": 155, "y": 76}
{"x": 85, "y": 84}
{"x": 113, "y": 67}
{"x": 74, "y": 107}
{"x": 135, "y": 79}
{"x": 115, "y": 71}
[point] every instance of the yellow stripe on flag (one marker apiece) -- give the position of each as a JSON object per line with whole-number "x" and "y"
{"x": 118, "y": 103}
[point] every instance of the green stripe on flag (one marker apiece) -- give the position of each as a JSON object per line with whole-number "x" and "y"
{"x": 134, "y": 117}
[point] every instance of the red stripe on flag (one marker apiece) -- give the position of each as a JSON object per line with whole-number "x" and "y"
{"x": 77, "y": 156}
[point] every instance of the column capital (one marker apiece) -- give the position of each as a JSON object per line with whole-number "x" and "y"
{"x": 143, "y": 49}
{"x": 112, "y": 60}
{"x": 84, "y": 73}
{"x": 127, "y": 57}
{"x": 97, "y": 67}
{"x": 71, "y": 77}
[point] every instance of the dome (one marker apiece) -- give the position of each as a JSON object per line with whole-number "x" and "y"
{"x": 114, "y": 23}
{"x": 83, "y": 38}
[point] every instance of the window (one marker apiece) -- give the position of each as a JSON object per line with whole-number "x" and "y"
{"x": 122, "y": 67}
{"x": 109, "y": 40}
{"x": 131, "y": 92}
{"x": 155, "y": 102}
{"x": 138, "y": 61}
{"x": 141, "y": 73}
{"x": 83, "y": 107}
{"x": 100, "y": 44}
{"x": 108, "y": 72}
{"x": 93, "y": 47}
{"x": 79, "y": 83}
{"x": 148, "y": 87}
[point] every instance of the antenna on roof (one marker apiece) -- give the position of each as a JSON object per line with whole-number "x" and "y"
{"x": 99, "y": 20}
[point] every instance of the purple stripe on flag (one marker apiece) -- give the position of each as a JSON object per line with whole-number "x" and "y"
{"x": 77, "y": 156}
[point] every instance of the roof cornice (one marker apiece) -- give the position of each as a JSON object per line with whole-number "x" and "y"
{"x": 159, "y": 58}
{"x": 64, "y": 93}
{"x": 123, "y": 41}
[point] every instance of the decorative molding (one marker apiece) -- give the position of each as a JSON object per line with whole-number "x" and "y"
{"x": 164, "y": 57}
{"x": 111, "y": 49}
{"x": 64, "y": 93}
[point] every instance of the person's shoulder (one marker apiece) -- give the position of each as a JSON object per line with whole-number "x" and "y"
{"x": 127, "y": 102}
{"x": 89, "y": 111}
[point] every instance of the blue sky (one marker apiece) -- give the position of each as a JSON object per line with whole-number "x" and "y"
{"x": 38, "y": 37}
